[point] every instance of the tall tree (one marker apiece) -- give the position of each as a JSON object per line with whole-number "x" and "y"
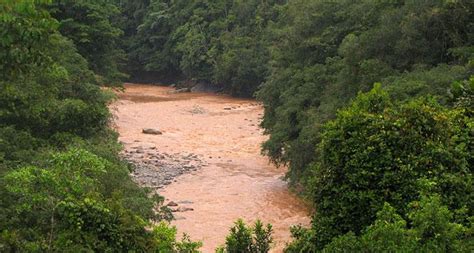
{"x": 91, "y": 26}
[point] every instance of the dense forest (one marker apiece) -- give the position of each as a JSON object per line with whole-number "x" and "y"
{"x": 63, "y": 186}
{"x": 369, "y": 104}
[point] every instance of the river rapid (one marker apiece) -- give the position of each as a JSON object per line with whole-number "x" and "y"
{"x": 228, "y": 177}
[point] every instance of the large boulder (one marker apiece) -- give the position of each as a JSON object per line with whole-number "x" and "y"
{"x": 151, "y": 131}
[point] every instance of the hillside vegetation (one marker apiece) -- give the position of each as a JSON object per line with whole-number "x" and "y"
{"x": 63, "y": 187}
{"x": 368, "y": 103}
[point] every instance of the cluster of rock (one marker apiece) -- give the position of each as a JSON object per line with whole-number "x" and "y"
{"x": 195, "y": 86}
{"x": 175, "y": 207}
{"x": 154, "y": 169}
{"x": 181, "y": 90}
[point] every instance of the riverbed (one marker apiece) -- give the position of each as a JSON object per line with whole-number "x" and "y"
{"x": 218, "y": 139}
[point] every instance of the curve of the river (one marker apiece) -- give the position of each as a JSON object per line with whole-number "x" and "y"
{"x": 236, "y": 181}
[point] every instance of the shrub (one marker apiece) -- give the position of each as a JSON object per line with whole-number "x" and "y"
{"x": 165, "y": 238}
{"x": 431, "y": 229}
{"x": 243, "y": 239}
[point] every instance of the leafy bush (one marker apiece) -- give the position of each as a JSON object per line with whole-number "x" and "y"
{"x": 430, "y": 228}
{"x": 243, "y": 239}
{"x": 376, "y": 151}
{"x": 166, "y": 240}
{"x": 64, "y": 205}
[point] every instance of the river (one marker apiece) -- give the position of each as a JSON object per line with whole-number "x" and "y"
{"x": 234, "y": 181}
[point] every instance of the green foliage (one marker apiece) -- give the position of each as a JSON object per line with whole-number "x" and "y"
{"x": 55, "y": 92}
{"x": 434, "y": 81}
{"x": 462, "y": 95}
{"x": 376, "y": 151}
{"x": 23, "y": 31}
{"x": 431, "y": 230}
{"x": 63, "y": 186}
{"x": 166, "y": 240}
{"x": 324, "y": 52}
{"x": 64, "y": 206}
{"x": 303, "y": 240}
{"x": 244, "y": 239}
{"x": 16, "y": 146}
{"x": 222, "y": 43}
{"x": 91, "y": 26}
{"x": 429, "y": 227}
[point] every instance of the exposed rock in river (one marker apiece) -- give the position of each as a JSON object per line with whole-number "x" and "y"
{"x": 151, "y": 131}
{"x": 196, "y": 132}
{"x": 182, "y": 90}
{"x": 182, "y": 209}
{"x": 154, "y": 169}
{"x": 171, "y": 203}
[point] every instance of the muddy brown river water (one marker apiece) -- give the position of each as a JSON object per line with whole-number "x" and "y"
{"x": 236, "y": 181}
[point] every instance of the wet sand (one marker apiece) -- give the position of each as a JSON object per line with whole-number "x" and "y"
{"x": 236, "y": 180}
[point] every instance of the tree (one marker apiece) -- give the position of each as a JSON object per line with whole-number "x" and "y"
{"x": 64, "y": 206}
{"x": 222, "y": 43}
{"x": 24, "y": 31}
{"x": 244, "y": 239}
{"x": 91, "y": 26}
{"x": 63, "y": 186}
{"x": 324, "y": 52}
{"x": 431, "y": 230}
{"x": 375, "y": 151}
